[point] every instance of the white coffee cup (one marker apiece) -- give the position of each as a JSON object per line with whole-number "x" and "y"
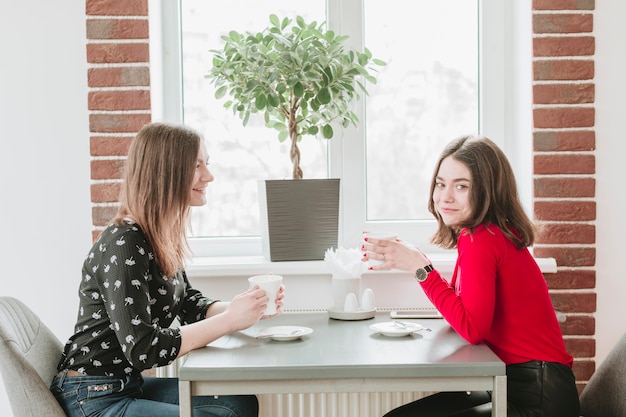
{"x": 271, "y": 284}
{"x": 380, "y": 236}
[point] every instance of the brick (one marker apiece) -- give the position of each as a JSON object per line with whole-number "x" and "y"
{"x": 119, "y": 100}
{"x": 583, "y": 325}
{"x": 117, "y": 29}
{"x": 117, "y": 123}
{"x": 116, "y": 8}
{"x": 138, "y": 76}
{"x": 104, "y": 169}
{"x": 556, "y": 187}
{"x": 581, "y": 348}
{"x": 563, "y": 93}
{"x": 568, "y": 69}
{"x": 566, "y": 233}
{"x": 584, "y": 369}
{"x": 563, "y": 23}
{"x": 105, "y": 53}
{"x": 564, "y": 164}
{"x": 551, "y": 141}
{"x": 573, "y": 279}
{"x": 567, "y": 256}
{"x": 102, "y": 215}
{"x": 563, "y": 117}
{"x": 565, "y": 210}
{"x": 105, "y": 192}
{"x": 564, "y": 46}
{"x": 110, "y": 145}
{"x": 564, "y": 4}
{"x": 574, "y": 302}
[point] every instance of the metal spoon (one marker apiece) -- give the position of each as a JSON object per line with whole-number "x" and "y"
{"x": 289, "y": 334}
{"x": 404, "y": 325}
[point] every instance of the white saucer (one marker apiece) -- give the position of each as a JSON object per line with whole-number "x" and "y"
{"x": 391, "y": 329}
{"x": 337, "y": 314}
{"x": 284, "y": 333}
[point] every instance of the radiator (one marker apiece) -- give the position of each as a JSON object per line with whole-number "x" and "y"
{"x": 333, "y": 404}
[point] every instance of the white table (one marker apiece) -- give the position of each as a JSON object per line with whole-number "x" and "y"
{"x": 341, "y": 356}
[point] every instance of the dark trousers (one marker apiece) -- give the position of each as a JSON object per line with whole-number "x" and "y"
{"x": 534, "y": 389}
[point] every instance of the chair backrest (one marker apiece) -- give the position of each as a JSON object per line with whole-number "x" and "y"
{"x": 605, "y": 393}
{"x": 29, "y": 352}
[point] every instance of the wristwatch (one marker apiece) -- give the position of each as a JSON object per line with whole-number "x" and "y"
{"x": 422, "y": 273}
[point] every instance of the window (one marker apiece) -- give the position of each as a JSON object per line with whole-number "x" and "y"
{"x": 449, "y": 73}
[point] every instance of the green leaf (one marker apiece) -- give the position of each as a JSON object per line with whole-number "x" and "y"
{"x": 298, "y": 89}
{"x": 285, "y": 23}
{"x": 280, "y": 126}
{"x": 379, "y": 62}
{"x": 327, "y": 131}
{"x": 221, "y": 92}
{"x": 274, "y": 20}
{"x": 273, "y": 100}
{"x": 260, "y": 102}
{"x": 324, "y": 96}
{"x": 313, "y": 130}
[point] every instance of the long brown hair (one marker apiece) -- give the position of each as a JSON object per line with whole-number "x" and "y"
{"x": 493, "y": 193}
{"x": 156, "y": 190}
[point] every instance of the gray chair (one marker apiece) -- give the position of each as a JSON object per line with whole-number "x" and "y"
{"x": 29, "y": 352}
{"x": 605, "y": 393}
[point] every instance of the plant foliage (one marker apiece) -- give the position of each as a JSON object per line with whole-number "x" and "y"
{"x": 299, "y": 75}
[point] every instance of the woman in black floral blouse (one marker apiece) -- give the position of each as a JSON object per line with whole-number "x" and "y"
{"x": 133, "y": 286}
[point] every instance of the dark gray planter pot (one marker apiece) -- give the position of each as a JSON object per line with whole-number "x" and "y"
{"x": 299, "y": 218}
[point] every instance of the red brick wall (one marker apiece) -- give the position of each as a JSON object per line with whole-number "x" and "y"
{"x": 564, "y": 165}
{"x": 119, "y": 93}
{"x": 564, "y": 139}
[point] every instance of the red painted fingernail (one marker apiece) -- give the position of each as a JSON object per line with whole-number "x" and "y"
{"x": 370, "y": 268}
{"x": 365, "y": 238}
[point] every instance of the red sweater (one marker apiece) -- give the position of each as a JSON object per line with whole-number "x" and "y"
{"x": 498, "y": 295}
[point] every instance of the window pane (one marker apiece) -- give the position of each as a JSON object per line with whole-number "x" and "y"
{"x": 426, "y": 96}
{"x": 239, "y": 156}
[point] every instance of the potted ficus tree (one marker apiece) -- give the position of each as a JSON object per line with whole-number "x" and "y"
{"x": 303, "y": 80}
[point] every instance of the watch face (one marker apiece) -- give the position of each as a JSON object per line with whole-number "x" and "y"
{"x": 421, "y": 274}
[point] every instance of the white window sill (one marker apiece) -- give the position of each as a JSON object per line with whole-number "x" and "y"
{"x": 252, "y": 265}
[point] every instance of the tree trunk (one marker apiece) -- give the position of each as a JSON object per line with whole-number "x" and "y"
{"x": 295, "y": 151}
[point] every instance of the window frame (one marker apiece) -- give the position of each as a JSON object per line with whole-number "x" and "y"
{"x": 504, "y": 98}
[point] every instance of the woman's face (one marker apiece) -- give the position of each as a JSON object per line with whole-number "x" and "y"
{"x": 451, "y": 194}
{"x": 201, "y": 178}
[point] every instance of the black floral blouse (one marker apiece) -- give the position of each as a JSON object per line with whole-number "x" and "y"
{"x": 126, "y": 308}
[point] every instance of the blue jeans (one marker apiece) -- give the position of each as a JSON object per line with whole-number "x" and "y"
{"x": 137, "y": 396}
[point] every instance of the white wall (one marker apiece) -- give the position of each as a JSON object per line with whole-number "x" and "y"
{"x": 45, "y": 211}
{"x": 610, "y": 33}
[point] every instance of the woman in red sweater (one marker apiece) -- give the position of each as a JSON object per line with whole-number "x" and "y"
{"x": 497, "y": 294}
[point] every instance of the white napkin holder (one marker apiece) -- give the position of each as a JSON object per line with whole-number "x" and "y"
{"x": 348, "y": 302}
